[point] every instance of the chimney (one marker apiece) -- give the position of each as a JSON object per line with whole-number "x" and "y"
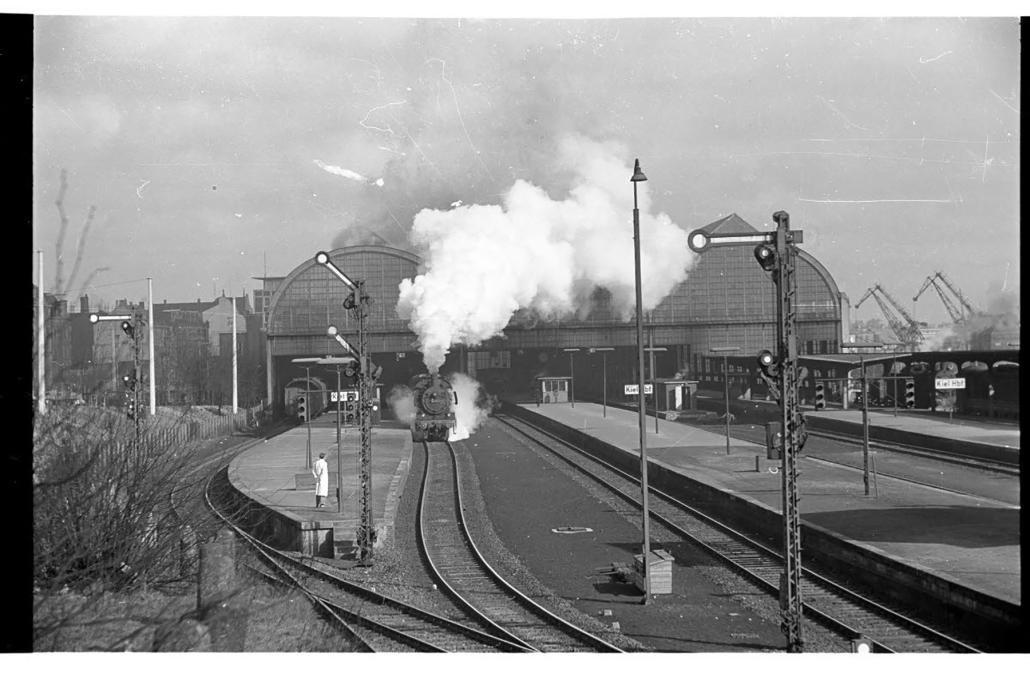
{"x": 84, "y": 304}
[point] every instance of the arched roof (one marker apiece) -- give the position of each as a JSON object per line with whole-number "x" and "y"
{"x": 310, "y": 298}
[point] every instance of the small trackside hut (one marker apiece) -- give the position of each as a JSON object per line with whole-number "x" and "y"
{"x": 553, "y": 389}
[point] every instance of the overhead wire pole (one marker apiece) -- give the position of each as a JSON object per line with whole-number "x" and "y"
{"x": 776, "y": 252}
{"x": 638, "y": 176}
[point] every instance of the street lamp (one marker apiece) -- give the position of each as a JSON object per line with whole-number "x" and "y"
{"x": 338, "y": 363}
{"x": 654, "y": 385}
{"x": 307, "y": 361}
{"x": 638, "y": 176}
{"x": 604, "y": 378}
{"x": 572, "y": 375}
{"x": 726, "y": 386}
{"x": 865, "y": 412}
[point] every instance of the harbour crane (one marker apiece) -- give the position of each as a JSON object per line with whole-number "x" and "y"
{"x": 958, "y": 313}
{"x": 902, "y": 324}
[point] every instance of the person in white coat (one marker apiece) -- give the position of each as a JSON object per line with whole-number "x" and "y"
{"x": 321, "y": 473}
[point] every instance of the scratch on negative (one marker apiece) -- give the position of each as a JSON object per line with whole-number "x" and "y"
{"x": 923, "y": 60}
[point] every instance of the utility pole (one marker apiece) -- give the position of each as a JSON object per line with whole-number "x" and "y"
{"x": 776, "y": 252}
{"x": 235, "y": 389}
{"x": 40, "y": 342}
{"x": 150, "y": 342}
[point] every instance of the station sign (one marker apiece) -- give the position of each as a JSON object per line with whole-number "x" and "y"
{"x": 949, "y": 383}
{"x": 344, "y": 396}
{"x": 634, "y": 389}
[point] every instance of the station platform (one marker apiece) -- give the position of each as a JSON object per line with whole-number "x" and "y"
{"x": 274, "y": 475}
{"x": 996, "y": 441}
{"x": 971, "y": 541}
{"x": 936, "y": 425}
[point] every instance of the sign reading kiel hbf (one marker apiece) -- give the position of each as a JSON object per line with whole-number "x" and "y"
{"x": 343, "y": 396}
{"x": 634, "y": 389}
{"x": 949, "y": 383}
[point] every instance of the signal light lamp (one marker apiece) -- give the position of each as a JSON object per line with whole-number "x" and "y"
{"x": 766, "y": 257}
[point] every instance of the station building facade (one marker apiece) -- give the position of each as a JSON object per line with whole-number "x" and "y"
{"x": 727, "y": 300}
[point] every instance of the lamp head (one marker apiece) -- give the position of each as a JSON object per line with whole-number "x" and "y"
{"x": 638, "y": 174}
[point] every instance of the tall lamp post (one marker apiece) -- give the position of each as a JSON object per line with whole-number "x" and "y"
{"x": 572, "y": 375}
{"x": 726, "y": 386}
{"x": 654, "y": 385}
{"x": 338, "y": 363}
{"x": 307, "y": 362}
{"x": 865, "y": 411}
{"x": 638, "y": 176}
{"x": 604, "y": 378}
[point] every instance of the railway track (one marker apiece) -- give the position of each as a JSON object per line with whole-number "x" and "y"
{"x": 370, "y": 621}
{"x": 451, "y": 555}
{"x": 826, "y": 601}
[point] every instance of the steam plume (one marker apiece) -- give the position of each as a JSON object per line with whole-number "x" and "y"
{"x": 402, "y": 401}
{"x": 484, "y": 262}
{"x": 472, "y": 409}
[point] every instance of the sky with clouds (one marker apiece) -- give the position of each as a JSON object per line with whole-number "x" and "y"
{"x": 212, "y": 146}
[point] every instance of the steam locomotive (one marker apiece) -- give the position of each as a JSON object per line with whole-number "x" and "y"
{"x": 434, "y": 408}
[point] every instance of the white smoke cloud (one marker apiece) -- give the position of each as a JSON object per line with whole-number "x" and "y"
{"x": 472, "y": 407}
{"x": 402, "y": 401}
{"x": 482, "y": 263}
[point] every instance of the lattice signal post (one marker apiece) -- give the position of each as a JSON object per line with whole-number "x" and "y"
{"x": 132, "y": 325}
{"x": 357, "y": 303}
{"x": 776, "y": 252}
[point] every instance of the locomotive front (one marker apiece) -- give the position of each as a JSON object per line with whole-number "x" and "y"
{"x": 434, "y": 408}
